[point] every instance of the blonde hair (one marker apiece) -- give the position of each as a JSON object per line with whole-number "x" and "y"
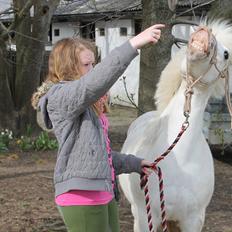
{"x": 64, "y": 60}
{"x": 64, "y": 65}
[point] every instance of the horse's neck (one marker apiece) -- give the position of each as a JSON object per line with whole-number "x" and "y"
{"x": 173, "y": 114}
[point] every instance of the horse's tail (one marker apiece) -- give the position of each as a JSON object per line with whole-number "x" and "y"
{"x": 173, "y": 227}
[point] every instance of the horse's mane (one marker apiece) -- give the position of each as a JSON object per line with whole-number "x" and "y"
{"x": 170, "y": 78}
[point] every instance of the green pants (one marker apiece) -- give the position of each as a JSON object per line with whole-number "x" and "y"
{"x": 96, "y": 218}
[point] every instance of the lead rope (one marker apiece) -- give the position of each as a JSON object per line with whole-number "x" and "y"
{"x": 158, "y": 171}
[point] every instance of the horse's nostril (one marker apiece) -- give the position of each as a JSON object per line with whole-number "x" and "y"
{"x": 226, "y": 55}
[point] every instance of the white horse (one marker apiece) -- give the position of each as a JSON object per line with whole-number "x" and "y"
{"x": 188, "y": 170}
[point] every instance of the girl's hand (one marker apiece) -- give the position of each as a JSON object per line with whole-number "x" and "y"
{"x": 149, "y": 35}
{"x": 146, "y": 167}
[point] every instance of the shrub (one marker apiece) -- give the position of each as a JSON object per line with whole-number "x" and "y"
{"x": 5, "y": 137}
{"x": 44, "y": 142}
{"x": 25, "y": 143}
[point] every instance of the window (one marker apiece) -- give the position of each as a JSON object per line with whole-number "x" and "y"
{"x": 56, "y": 32}
{"x": 138, "y": 26}
{"x": 102, "y": 31}
{"x": 123, "y": 31}
{"x": 87, "y": 30}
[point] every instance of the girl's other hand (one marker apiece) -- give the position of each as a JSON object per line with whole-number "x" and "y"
{"x": 150, "y": 35}
{"x": 147, "y": 167}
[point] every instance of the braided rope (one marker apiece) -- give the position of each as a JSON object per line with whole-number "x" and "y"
{"x": 157, "y": 170}
{"x": 162, "y": 201}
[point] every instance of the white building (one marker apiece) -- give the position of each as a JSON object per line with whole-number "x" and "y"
{"x": 110, "y": 34}
{"x": 109, "y": 24}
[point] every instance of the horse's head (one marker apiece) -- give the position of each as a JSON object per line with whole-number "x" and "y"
{"x": 207, "y": 58}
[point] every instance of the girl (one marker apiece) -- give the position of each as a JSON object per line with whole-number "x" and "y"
{"x": 73, "y": 103}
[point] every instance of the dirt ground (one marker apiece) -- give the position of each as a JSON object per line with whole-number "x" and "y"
{"x": 26, "y": 188}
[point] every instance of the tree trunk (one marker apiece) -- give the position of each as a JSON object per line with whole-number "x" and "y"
{"x": 7, "y": 112}
{"x": 31, "y": 36}
{"x": 30, "y": 53}
{"x": 154, "y": 57}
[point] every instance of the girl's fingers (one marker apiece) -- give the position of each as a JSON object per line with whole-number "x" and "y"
{"x": 147, "y": 171}
{"x": 150, "y": 35}
{"x": 154, "y": 41}
{"x": 158, "y": 26}
{"x": 146, "y": 167}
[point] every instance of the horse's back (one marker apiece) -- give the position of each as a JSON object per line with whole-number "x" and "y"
{"x": 141, "y": 121}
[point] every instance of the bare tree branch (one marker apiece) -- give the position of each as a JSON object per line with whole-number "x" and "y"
{"x": 3, "y": 29}
{"x": 130, "y": 97}
{"x": 20, "y": 16}
{"x": 195, "y": 7}
{"x": 7, "y": 11}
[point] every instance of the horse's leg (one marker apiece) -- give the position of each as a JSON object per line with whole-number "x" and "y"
{"x": 140, "y": 219}
{"x": 194, "y": 222}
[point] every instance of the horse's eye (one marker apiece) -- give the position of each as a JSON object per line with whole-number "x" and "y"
{"x": 226, "y": 55}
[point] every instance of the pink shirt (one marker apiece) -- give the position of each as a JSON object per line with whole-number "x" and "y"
{"x": 84, "y": 197}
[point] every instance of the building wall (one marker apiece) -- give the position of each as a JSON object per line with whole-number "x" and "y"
{"x": 66, "y": 29}
{"x": 109, "y": 41}
{"x": 106, "y": 43}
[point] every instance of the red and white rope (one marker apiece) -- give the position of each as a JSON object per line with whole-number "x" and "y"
{"x": 158, "y": 171}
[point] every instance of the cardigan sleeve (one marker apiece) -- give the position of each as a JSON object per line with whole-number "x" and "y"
{"x": 124, "y": 163}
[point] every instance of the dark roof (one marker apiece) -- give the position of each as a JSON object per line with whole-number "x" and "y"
{"x": 198, "y": 6}
{"x": 192, "y": 2}
{"x": 98, "y": 6}
{"x": 85, "y": 8}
